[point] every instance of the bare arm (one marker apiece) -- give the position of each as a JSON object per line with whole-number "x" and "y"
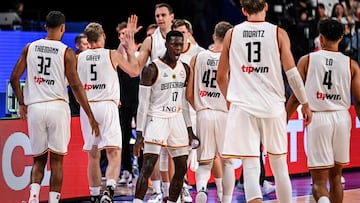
{"x": 190, "y": 84}
{"x": 288, "y": 63}
{"x": 145, "y": 52}
{"x": 147, "y": 79}
{"x": 77, "y": 88}
{"x": 293, "y": 103}
{"x": 223, "y": 72}
{"x": 355, "y": 86}
{"x": 16, "y": 74}
{"x": 286, "y": 56}
{"x": 130, "y": 65}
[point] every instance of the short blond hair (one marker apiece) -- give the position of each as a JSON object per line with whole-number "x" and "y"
{"x": 94, "y": 31}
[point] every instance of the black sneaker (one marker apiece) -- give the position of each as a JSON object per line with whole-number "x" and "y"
{"x": 95, "y": 199}
{"x": 108, "y": 195}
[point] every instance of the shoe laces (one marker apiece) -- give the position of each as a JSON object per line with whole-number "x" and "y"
{"x": 154, "y": 196}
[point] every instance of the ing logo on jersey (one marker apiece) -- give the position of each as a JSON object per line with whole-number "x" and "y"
{"x": 174, "y": 76}
{"x": 250, "y": 69}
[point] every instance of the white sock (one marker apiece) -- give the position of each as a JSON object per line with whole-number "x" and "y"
{"x": 156, "y": 185}
{"x": 111, "y": 182}
{"x": 219, "y": 187}
{"x": 170, "y": 201}
{"x": 54, "y": 197}
{"x": 34, "y": 190}
{"x": 202, "y": 176}
{"x": 138, "y": 201}
{"x": 227, "y": 199}
{"x": 251, "y": 169}
{"x": 323, "y": 199}
{"x": 94, "y": 191}
{"x": 165, "y": 188}
{"x": 228, "y": 178}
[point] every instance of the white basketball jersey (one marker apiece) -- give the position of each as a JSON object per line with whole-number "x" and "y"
{"x": 328, "y": 82}
{"x": 158, "y": 48}
{"x": 192, "y": 50}
{"x": 45, "y": 79}
{"x": 256, "y": 82}
{"x": 207, "y": 94}
{"x": 168, "y": 90}
{"x": 98, "y": 75}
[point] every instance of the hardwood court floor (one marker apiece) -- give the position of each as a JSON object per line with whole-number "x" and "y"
{"x": 301, "y": 191}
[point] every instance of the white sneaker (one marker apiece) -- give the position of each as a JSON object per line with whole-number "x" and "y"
{"x": 240, "y": 186}
{"x": 342, "y": 180}
{"x": 126, "y": 178}
{"x": 155, "y": 198}
{"x": 201, "y": 197}
{"x": 185, "y": 195}
{"x": 267, "y": 188}
{"x": 33, "y": 200}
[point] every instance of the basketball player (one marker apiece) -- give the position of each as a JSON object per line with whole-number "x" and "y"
{"x": 204, "y": 95}
{"x": 50, "y": 66}
{"x": 154, "y": 46}
{"x": 254, "y": 54}
{"x": 329, "y": 78}
{"x": 163, "y": 116}
{"x": 97, "y": 70}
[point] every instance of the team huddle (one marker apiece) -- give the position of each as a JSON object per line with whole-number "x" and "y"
{"x": 229, "y": 98}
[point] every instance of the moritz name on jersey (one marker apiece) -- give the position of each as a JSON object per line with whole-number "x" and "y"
{"x": 253, "y": 33}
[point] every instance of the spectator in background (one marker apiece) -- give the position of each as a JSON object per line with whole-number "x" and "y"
{"x": 81, "y": 44}
{"x": 338, "y": 13}
{"x": 329, "y": 5}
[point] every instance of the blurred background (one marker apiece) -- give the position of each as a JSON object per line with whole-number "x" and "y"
{"x": 22, "y": 21}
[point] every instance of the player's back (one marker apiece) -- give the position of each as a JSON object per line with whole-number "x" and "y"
{"x": 45, "y": 80}
{"x": 256, "y": 80}
{"x": 98, "y": 75}
{"x": 328, "y": 82}
{"x": 207, "y": 93}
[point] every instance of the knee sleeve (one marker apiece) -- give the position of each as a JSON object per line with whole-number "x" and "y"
{"x": 164, "y": 160}
{"x": 251, "y": 178}
{"x": 282, "y": 180}
{"x": 202, "y": 176}
{"x": 228, "y": 177}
